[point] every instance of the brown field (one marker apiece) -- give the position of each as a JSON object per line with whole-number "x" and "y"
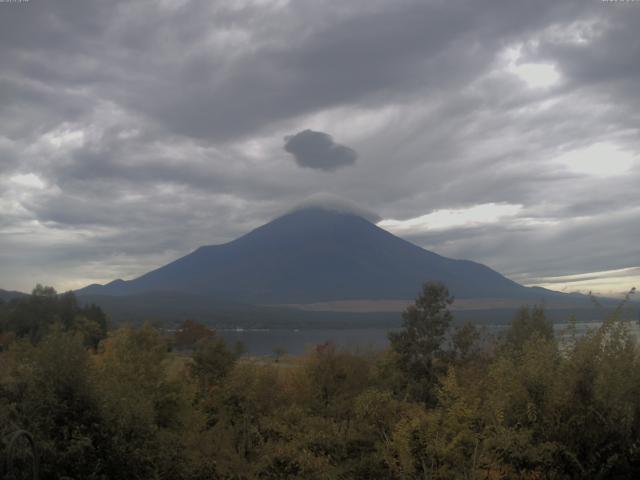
{"x": 398, "y": 305}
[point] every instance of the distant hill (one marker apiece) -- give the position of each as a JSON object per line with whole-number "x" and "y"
{"x": 318, "y": 255}
{"x": 6, "y": 295}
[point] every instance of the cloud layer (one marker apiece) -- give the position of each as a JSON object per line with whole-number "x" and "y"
{"x": 133, "y": 132}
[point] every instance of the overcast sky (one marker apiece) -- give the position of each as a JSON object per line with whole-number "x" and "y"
{"x": 502, "y": 131}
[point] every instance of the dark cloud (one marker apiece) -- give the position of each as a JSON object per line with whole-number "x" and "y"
{"x": 317, "y": 150}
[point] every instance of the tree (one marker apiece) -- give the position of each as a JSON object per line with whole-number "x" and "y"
{"x": 189, "y": 333}
{"x": 49, "y": 391}
{"x": 213, "y": 360}
{"x": 418, "y": 346}
{"x": 465, "y": 343}
{"x": 334, "y": 378}
{"x": 144, "y": 410}
{"x": 528, "y": 322}
{"x": 34, "y": 315}
{"x": 91, "y": 322}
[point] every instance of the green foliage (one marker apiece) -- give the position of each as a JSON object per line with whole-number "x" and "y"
{"x": 31, "y": 317}
{"x": 48, "y": 391}
{"x": 466, "y": 344}
{"x": 418, "y": 346}
{"x": 527, "y": 323}
{"x": 213, "y": 360}
{"x": 142, "y": 407}
{"x": 332, "y": 378}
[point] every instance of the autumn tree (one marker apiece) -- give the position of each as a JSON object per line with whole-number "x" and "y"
{"x": 213, "y": 359}
{"x": 144, "y": 409}
{"x": 48, "y": 390}
{"x": 189, "y": 333}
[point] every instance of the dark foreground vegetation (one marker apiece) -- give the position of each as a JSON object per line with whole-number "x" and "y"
{"x": 441, "y": 403}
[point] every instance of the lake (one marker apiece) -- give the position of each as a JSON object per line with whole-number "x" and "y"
{"x": 297, "y": 341}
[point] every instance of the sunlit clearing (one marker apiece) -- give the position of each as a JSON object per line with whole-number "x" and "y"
{"x": 599, "y": 159}
{"x": 447, "y": 219}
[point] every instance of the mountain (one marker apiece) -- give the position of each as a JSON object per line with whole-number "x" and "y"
{"x": 317, "y": 255}
{"x": 6, "y": 295}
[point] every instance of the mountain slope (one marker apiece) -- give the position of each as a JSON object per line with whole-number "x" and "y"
{"x": 6, "y": 295}
{"x": 315, "y": 255}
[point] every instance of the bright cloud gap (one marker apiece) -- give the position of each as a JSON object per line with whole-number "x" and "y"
{"x": 28, "y": 180}
{"x": 537, "y": 75}
{"x": 446, "y": 219}
{"x": 607, "y": 282}
{"x": 601, "y": 159}
{"x": 534, "y": 75}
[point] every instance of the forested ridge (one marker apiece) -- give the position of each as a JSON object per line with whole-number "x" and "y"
{"x": 443, "y": 402}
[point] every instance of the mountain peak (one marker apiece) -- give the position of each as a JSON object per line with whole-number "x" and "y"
{"x": 334, "y": 204}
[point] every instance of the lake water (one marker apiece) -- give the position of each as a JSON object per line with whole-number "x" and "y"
{"x": 297, "y": 341}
